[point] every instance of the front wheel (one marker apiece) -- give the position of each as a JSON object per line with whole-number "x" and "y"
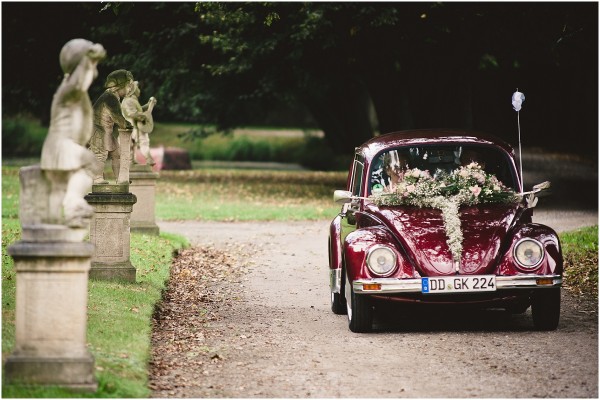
{"x": 338, "y": 302}
{"x": 545, "y": 309}
{"x": 360, "y": 310}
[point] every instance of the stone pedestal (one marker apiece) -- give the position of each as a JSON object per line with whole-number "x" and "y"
{"x": 110, "y": 232}
{"x": 51, "y": 310}
{"x": 143, "y": 186}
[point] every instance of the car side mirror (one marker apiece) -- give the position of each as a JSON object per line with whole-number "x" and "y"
{"x": 342, "y": 196}
{"x": 531, "y": 199}
{"x": 541, "y": 186}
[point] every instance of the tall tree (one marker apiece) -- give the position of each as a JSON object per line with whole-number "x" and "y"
{"x": 418, "y": 64}
{"x": 359, "y": 68}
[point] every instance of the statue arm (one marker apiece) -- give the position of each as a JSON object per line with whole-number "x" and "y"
{"x": 131, "y": 109}
{"x": 83, "y": 75}
{"x": 150, "y": 104}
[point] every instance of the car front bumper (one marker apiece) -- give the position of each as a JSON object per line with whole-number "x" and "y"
{"x": 399, "y": 286}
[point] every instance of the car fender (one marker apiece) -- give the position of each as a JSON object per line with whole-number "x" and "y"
{"x": 356, "y": 245}
{"x": 553, "y": 260}
{"x": 335, "y": 254}
{"x": 335, "y": 249}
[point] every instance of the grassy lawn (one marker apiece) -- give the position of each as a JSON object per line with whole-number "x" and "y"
{"x": 242, "y": 195}
{"x": 119, "y": 315}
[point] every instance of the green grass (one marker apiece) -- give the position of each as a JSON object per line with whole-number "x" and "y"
{"x": 580, "y": 252}
{"x": 244, "y": 195}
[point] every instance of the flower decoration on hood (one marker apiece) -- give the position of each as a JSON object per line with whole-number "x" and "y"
{"x": 468, "y": 185}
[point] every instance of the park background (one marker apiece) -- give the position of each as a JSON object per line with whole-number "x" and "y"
{"x": 234, "y": 79}
{"x": 348, "y": 70}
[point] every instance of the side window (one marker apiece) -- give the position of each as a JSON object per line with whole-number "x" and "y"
{"x": 357, "y": 177}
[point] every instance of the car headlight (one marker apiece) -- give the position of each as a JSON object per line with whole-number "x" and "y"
{"x": 381, "y": 260}
{"x": 528, "y": 253}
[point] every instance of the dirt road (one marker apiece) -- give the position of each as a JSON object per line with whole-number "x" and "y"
{"x": 272, "y": 333}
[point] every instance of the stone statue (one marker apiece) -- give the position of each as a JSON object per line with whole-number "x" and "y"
{"x": 108, "y": 119}
{"x": 141, "y": 118}
{"x": 65, "y": 162}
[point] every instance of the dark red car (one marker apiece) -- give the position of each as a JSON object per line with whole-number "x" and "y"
{"x": 440, "y": 217}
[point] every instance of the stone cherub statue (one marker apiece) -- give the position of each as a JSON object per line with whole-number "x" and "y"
{"x": 141, "y": 118}
{"x": 65, "y": 162}
{"x": 107, "y": 120}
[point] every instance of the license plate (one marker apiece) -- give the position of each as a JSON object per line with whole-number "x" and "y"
{"x": 459, "y": 283}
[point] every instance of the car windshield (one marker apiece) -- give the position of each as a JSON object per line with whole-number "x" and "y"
{"x": 388, "y": 167}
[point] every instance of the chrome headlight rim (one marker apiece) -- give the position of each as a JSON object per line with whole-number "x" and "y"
{"x": 519, "y": 262}
{"x": 394, "y": 262}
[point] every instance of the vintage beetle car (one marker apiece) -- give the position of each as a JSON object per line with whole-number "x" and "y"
{"x": 402, "y": 253}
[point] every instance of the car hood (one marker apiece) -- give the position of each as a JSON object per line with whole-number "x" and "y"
{"x": 421, "y": 233}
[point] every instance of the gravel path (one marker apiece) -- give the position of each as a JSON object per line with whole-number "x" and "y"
{"x": 263, "y": 328}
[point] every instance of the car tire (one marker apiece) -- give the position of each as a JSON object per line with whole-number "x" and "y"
{"x": 545, "y": 309}
{"x": 360, "y": 310}
{"x": 517, "y": 308}
{"x": 338, "y": 300}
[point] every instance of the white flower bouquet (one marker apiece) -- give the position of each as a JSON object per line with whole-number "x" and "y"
{"x": 467, "y": 185}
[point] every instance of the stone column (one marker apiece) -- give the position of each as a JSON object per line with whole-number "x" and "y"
{"x": 143, "y": 186}
{"x": 51, "y": 310}
{"x": 110, "y": 232}
{"x": 125, "y": 149}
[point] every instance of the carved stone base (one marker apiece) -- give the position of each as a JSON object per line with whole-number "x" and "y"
{"x": 145, "y": 229}
{"x": 113, "y": 272}
{"x": 73, "y": 373}
{"x": 51, "y": 313}
{"x": 110, "y": 233}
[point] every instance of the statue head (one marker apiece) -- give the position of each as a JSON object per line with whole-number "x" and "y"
{"x": 134, "y": 89}
{"x": 73, "y": 52}
{"x": 119, "y": 79}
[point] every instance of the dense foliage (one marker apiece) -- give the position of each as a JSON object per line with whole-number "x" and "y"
{"x": 352, "y": 69}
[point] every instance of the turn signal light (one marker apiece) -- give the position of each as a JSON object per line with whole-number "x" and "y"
{"x": 371, "y": 286}
{"x": 544, "y": 281}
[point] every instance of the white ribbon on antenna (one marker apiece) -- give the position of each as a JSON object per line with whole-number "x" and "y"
{"x": 517, "y": 100}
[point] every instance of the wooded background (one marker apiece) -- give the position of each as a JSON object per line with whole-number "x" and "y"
{"x": 350, "y": 69}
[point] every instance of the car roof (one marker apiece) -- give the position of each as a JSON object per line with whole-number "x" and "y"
{"x": 420, "y": 137}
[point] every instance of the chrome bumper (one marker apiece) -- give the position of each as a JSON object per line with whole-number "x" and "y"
{"x": 393, "y": 285}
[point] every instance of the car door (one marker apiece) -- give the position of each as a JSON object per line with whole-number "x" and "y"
{"x": 348, "y": 214}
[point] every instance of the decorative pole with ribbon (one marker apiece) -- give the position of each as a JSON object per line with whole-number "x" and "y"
{"x": 517, "y": 100}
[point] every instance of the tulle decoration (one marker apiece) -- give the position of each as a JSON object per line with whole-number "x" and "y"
{"x": 517, "y": 100}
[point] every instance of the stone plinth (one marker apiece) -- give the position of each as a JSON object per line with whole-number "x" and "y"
{"x": 110, "y": 232}
{"x": 51, "y": 311}
{"x": 143, "y": 185}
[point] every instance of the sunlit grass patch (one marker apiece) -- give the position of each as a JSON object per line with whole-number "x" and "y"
{"x": 247, "y": 195}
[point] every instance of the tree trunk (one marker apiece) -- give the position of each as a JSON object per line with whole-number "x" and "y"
{"x": 345, "y": 113}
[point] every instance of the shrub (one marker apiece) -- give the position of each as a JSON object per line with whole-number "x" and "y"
{"x": 22, "y": 137}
